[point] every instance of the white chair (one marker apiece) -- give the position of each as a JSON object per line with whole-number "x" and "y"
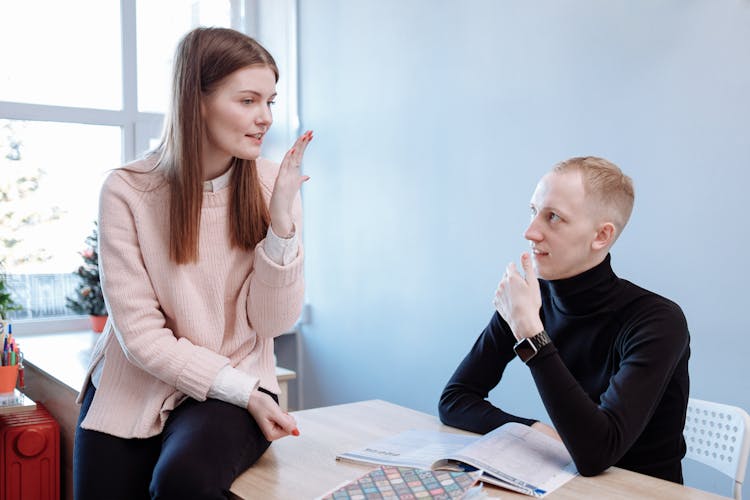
{"x": 718, "y": 435}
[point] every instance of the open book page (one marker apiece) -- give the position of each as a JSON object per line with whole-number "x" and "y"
{"x": 414, "y": 448}
{"x": 522, "y": 458}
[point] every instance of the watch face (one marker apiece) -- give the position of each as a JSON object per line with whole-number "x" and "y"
{"x": 525, "y": 350}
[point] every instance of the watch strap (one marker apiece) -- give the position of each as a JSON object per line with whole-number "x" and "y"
{"x": 540, "y": 340}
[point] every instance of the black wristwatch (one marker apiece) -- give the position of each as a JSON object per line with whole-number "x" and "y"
{"x": 528, "y": 347}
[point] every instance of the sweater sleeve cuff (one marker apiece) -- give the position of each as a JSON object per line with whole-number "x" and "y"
{"x": 199, "y": 371}
{"x": 275, "y": 275}
{"x": 233, "y": 386}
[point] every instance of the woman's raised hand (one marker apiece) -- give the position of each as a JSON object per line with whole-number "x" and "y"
{"x": 288, "y": 183}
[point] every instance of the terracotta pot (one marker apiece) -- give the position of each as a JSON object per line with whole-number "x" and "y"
{"x": 97, "y": 323}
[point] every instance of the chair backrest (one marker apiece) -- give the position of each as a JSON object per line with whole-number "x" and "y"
{"x": 718, "y": 435}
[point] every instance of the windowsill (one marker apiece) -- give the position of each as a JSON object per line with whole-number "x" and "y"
{"x": 63, "y": 357}
{"x": 68, "y": 324}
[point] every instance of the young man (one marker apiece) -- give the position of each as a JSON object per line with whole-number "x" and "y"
{"x": 609, "y": 359}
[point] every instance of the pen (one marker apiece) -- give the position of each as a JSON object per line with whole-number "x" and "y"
{"x": 20, "y": 371}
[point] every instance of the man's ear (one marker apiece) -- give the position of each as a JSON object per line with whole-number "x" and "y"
{"x": 605, "y": 236}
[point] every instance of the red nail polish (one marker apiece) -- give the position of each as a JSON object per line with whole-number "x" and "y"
{"x": 295, "y": 432}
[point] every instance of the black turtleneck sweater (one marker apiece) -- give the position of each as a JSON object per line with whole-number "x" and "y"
{"x": 614, "y": 380}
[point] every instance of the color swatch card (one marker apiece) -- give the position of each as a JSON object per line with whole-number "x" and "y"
{"x": 401, "y": 483}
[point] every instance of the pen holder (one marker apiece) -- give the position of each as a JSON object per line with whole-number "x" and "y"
{"x": 8, "y": 376}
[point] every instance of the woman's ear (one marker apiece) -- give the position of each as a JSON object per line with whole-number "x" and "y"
{"x": 605, "y": 236}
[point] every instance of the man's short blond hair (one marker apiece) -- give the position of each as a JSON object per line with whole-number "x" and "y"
{"x": 608, "y": 190}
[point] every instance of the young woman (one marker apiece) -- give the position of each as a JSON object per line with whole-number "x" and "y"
{"x": 201, "y": 267}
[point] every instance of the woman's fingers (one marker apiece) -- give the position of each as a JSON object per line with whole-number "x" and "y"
{"x": 289, "y": 170}
{"x": 279, "y": 425}
{"x": 294, "y": 156}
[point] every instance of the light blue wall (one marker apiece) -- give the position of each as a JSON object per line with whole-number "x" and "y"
{"x": 433, "y": 121}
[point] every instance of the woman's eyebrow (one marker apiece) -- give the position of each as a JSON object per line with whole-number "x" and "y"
{"x": 255, "y": 93}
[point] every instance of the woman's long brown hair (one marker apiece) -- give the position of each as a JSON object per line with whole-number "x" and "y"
{"x": 204, "y": 57}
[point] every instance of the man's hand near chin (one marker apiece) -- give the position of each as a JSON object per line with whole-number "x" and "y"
{"x": 518, "y": 299}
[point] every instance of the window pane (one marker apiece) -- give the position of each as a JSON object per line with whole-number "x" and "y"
{"x": 50, "y": 177}
{"x": 157, "y": 41}
{"x": 61, "y": 53}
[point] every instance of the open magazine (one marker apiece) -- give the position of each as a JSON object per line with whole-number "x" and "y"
{"x": 513, "y": 456}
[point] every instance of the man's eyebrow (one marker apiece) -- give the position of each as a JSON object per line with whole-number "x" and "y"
{"x": 563, "y": 213}
{"x": 550, "y": 208}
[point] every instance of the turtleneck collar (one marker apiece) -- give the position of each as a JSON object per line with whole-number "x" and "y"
{"x": 584, "y": 292}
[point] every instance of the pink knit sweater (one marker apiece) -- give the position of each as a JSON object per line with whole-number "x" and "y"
{"x": 172, "y": 327}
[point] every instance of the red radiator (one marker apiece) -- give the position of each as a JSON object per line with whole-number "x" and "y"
{"x": 29, "y": 456}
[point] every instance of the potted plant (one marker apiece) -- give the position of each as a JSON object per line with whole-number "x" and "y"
{"x": 7, "y": 304}
{"x": 88, "y": 297}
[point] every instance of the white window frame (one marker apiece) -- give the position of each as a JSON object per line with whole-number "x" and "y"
{"x": 272, "y": 22}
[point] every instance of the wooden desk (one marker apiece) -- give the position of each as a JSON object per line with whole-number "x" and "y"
{"x": 305, "y": 467}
